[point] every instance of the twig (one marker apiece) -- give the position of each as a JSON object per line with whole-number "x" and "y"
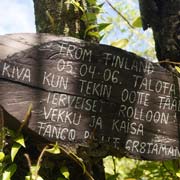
{"x": 76, "y": 159}
{"x": 168, "y": 62}
{"x": 26, "y": 118}
{"x": 29, "y": 164}
{"x": 28, "y": 160}
{"x": 120, "y": 14}
{"x": 39, "y": 161}
{"x": 126, "y": 20}
{"x": 114, "y": 164}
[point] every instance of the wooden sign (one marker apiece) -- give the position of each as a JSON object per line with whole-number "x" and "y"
{"x": 84, "y": 93}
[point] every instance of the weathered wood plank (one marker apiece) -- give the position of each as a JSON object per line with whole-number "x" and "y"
{"x": 85, "y": 93}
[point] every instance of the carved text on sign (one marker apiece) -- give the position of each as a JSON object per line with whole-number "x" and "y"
{"x": 84, "y": 93}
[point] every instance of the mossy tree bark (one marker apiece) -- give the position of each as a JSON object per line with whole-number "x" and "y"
{"x": 58, "y": 17}
{"x": 62, "y": 18}
{"x": 164, "y": 19}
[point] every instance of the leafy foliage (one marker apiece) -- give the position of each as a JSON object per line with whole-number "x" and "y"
{"x": 37, "y": 170}
{"x": 139, "y": 41}
{"x": 130, "y": 169}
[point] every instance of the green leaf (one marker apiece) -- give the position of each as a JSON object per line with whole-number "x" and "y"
{"x": 101, "y": 5}
{"x": 120, "y": 43}
{"x": 137, "y": 23}
{"x": 8, "y": 173}
{"x": 27, "y": 177}
{"x": 2, "y": 156}
{"x": 91, "y": 1}
{"x": 33, "y": 178}
{"x": 94, "y": 34}
{"x": 178, "y": 174}
{"x": 76, "y": 4}
{"x": 88, "y": 17}
{"x": 38, "y": 178}
{"x": 65, "y": 172}
{"x": 11, "y": 133}
{"x": 20, "y": 140}
{"x": 169, "y": 165}
{"x": 96, "y": 9}
{"x": 14, "y": 150}
{"x": 101, "y": 37}
{"x": 177, "y": 68}
{"x": 33, "y": 171}
{"x": 102, "y": 26}
{"x": 54, "y": 150}
{"x": 91, "y": 27}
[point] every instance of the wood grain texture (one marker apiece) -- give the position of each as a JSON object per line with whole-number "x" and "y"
{"x": 90, "y": 95}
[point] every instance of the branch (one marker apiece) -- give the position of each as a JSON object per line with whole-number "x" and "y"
{"x": 120, "y": 14}
{"x": 169, "y": 62}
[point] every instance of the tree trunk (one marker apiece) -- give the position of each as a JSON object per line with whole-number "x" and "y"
{"x": 58, "y": 17}
{"x": 61, "y": 18}
{"x": 163, "y": 16}
{"x": 164, "y": 19}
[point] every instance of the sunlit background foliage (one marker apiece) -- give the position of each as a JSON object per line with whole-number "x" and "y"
{"x": 134, "y": 38}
